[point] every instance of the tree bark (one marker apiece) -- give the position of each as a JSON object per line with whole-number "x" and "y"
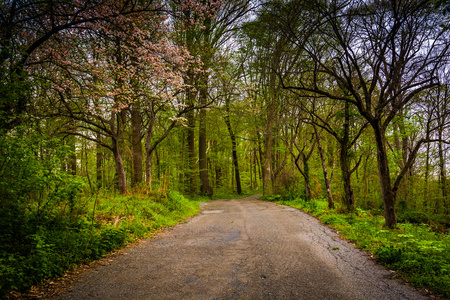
{"x": 344, "y": 160}
{"x": 190, "y": 136}
{"x": 268, "y": 143}
{"x": 308, "y": 193}
{"x": 233, "y": 150}
{"x": 115, "y": 147}
{"x": 136, "y": 122}
{"x": 260, "y": 159}
{"x": 120, "y": 170}
{"x": 385, "y": 176}
{"x": 73, "y": 155}
{"x": 346, "y": 178}
{"x": 99, "y": 159}
{"x": 149, "y": 149}
{"x": 324, "y": 169}
{"x": 442, "y": 172}
{"x": 205, "y": 188}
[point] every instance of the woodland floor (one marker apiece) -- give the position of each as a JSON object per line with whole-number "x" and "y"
{"x": 239, "y": 249}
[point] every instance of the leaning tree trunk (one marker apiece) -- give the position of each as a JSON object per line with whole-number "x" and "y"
{"x": 308, "y": 193}
{"x": 385, "y": 177}
{"x": 234, "y": 150}
{"x": 324, "y": 168}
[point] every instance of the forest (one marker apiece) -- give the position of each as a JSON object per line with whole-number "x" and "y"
{"x": 118, "y": 116}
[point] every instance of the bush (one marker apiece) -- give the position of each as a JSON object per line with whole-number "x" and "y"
{"x": 39, "y": 244}
{"x": 334, "y": 219}
{"x": 412, "y": 217}
{"x": 389, "y": 255}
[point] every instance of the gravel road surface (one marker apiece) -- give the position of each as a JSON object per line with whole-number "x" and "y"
{"x": 242, "y": 249}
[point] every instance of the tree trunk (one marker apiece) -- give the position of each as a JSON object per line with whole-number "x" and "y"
{"x": 405, "y": 151}
{"x": 427, "y": 171}
{"x": 149, "y": 150}
{"x": 234, "y": 151}
{"x": 99, "y": 159}
{"x": 305, "y": 170}
{"x": 205, "y": 188}
{"x": 158, "y": 163}
{"x": 120, "y": 170}
{"x": 268, "y": 175}
{"x": 401, "y": 146}
{"x": 346, "y": 177}
{"x": 73, "y": 155}
{"x": 115, "y": 147}
{"x": 260, "y": 158}
{"x": 190, "y": 137}
{"x": 218, "y": 175}
{"x": 148, "y": 168}
{"x": 267, "y": 165}
{"x": 250, "y": 169}
{"x": 308, "y": 193}
{"x": 256, "y": 169}
{"x": 344, "y": 161}
{"x": 385, "y": 176}
{"x": 442, "y": 173}
{"x": 136, "y": 122}
{"x": 236, "y": 167}
{"x": 324, "y": 168}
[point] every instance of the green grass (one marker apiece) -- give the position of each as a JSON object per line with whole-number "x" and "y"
{"x": 417, "y": 252}
{"x": 225, "y": 195}
{"x": 46, "y": 244}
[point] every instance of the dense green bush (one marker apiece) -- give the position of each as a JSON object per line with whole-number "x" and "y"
{"x": 47, "y": 226}
{"x": 45, "y": 245}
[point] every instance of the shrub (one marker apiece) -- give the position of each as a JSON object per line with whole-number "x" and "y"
{"x": 389, "y": 255}
{"x": 38, "y": 244}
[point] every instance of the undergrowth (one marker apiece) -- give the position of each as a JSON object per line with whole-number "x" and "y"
{"x": 418, "y": 252}
{"x": 38, "y": 244}
{"x": 227, "y": 195}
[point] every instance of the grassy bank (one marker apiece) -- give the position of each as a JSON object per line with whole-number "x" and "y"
{"x": 420, "y": 253}
{"x": 40, "y": 244}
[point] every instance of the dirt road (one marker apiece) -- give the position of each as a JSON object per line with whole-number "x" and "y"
{"x": 242, "y": 249}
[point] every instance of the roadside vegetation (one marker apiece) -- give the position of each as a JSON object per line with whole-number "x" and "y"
{"x": 39, "y": 245}
{"x": 51, "y": 222}
{"x": 107, "y": 108}
{"x": 418, "y": 248}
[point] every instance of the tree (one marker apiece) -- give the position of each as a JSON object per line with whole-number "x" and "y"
{"x": 216, "y": 21}
{"x": 324, "y": 167}
{"x": 118, "y": 67}
{"x": 229, "y": 83}
{"x": 266, "y": 44}
{"x": 433, "y": 109}
{"x": 31, "y": 33}
{"x": 342, "y": 124}
{"x": 381, "y": 55}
